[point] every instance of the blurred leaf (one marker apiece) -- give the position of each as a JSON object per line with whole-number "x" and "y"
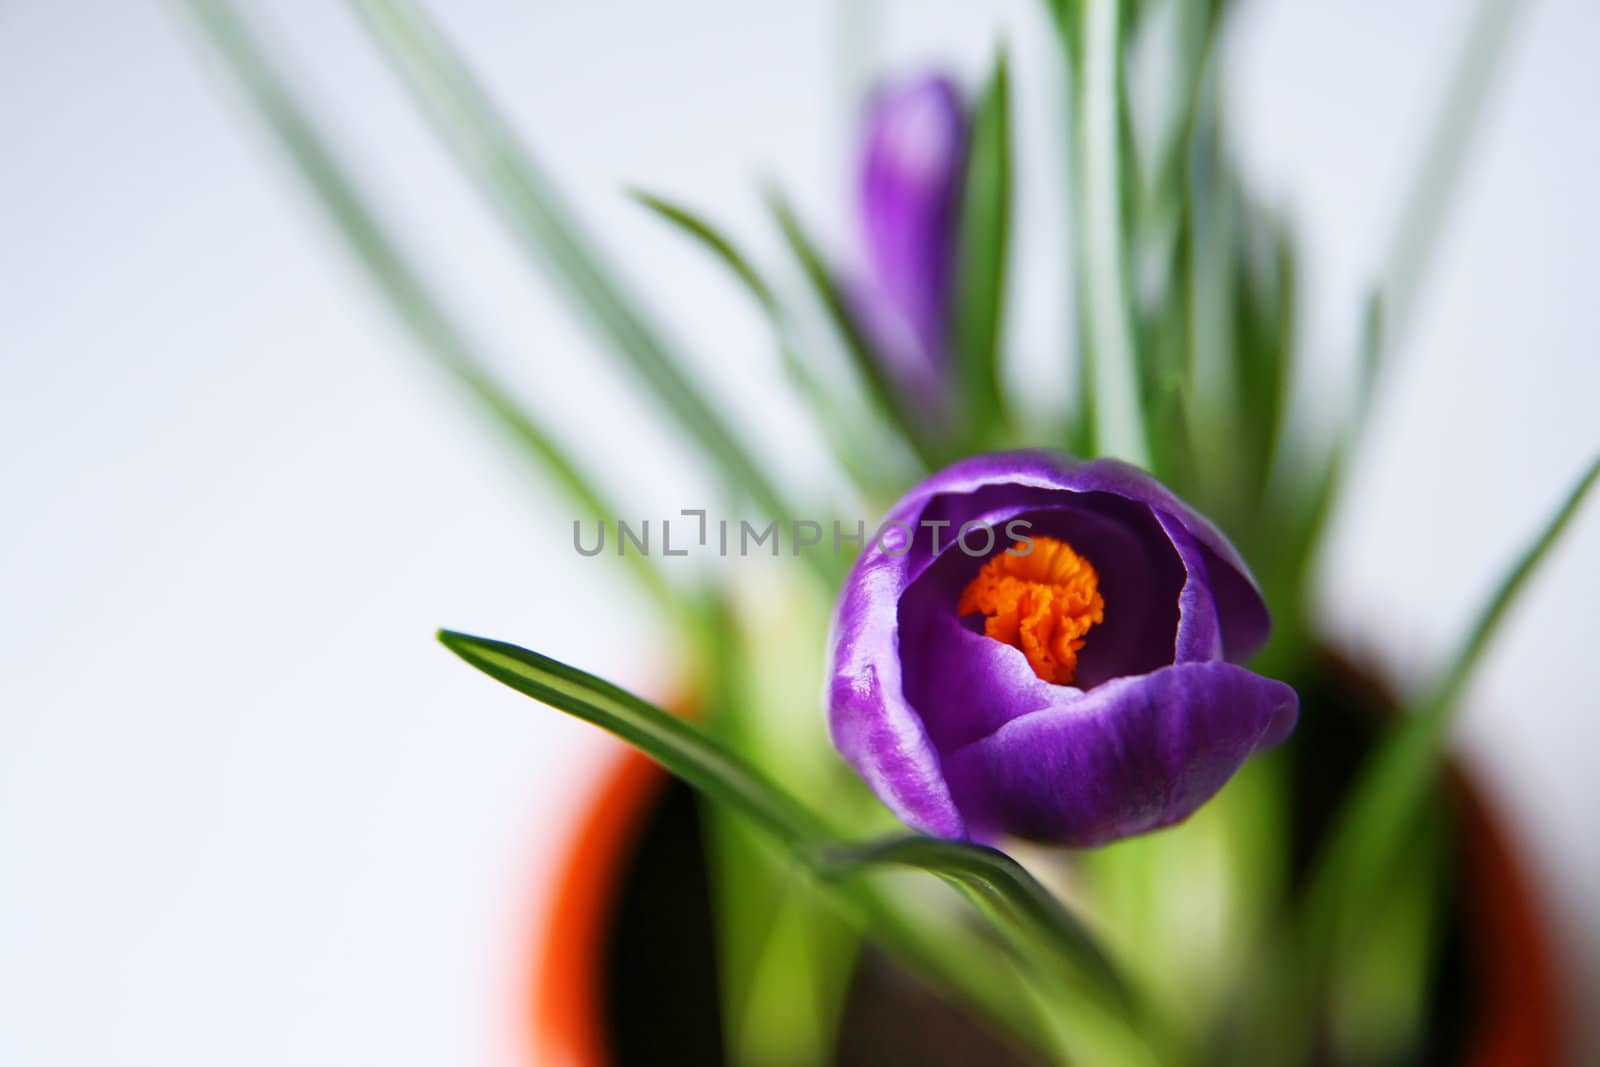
{"x": 1382, "y": 982}
{"x": 396, "y": 277}
{"x": 1068, "y": 19}
{"x": 984, "y": 246}
{"x": 1000, "y": 882}
{"x": 868, "y": 363}
{"x": 1113, "y": 406}
{"x": 712, "y": 238}
{"x": 1368, "y": 844}
{"x": 1096, "y": 1016}
{"x": 508, "y": 175}
{"x": 1421, "y": 217}
{"x": 1297, "y": 520}
{"x": 869, "y": 465}
{"x": 1432, "y": 193}
{"x": 1193, "y": 89}
{"x": 785, "y": 954}
{"x": 1264, "y": 294}
{"x": 1212, "y": 400}
{"x": 1170, "y": 905}
{"x": 1021, "y": 907}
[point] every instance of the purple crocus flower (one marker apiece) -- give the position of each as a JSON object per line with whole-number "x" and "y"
{"x": 912, "y": 162}
{"x": 1061, "y": 672}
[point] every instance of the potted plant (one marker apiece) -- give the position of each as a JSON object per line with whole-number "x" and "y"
{"x": 1070, "y": 671}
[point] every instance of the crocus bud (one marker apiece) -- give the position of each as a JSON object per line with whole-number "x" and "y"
{"x": 1047, "y": 648}
{"x": 912, "y": 163}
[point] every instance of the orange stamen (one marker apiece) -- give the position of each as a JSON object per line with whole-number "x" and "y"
{"x": 1041, "y": 603}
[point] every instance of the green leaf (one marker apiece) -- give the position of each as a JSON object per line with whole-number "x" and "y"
{"x": 685, "y": 751}
{"x": 712, "y": 238}
{"x": 984, "y": 246}
{"x": 1000, "y": 882}
{"x": 1382, "y": 988}
{"x": 1114, "y": 407}
{"x": 1265, "y": 331}
{"x": 1068, "y": 22}
{"x": 508, "y": 175}
{"x": 1301, "y": 498}
{"x": 1193, "y": 91}
{"x": 785, "y": 950}
{"x": 1421, "y": 218}
{"x": 396, "y": 277}
{"x": 1368, "y": 845}
{"x": 867, "y": 362}
{"x": 1024, "y": 907}
{"x": 869, "y": 463}
{"x": 1432, "y": 191}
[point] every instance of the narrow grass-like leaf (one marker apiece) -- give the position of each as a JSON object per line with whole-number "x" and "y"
{"x": 870, "y": 466}
{"x": 1025, "y": 908}
{"x": 1115, "y": 406}
{"x": 712, "y": 238}
{"x": 1383, "y": 983}
{"x": 1265, "y": 332}
{"x": 1428, "y": 200}
{"x": 1300, "y": 498}
{"x": 397, "y": 279}
{"x": 785, "y": 953}
{"x": 867, "y": 362}
{"x": 1002, "y": 882}
{"x": 1367, "y": 844}
{"x": 1067, "y": 18}
{"x": 1193, "y": 89}
{"x": 689, "y": 753}
{"x": 1433, "y": 189}
{"x": 984, "y": 249}
{"x": 492, "y": 154}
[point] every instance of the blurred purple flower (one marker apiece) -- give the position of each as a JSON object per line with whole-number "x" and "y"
{"x": 912, "y": 163}
{"x": 1074, "y": 693}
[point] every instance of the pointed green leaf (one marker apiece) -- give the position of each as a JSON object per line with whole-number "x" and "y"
{"x": 1114, "y": 406}
{"x": 397, "y": 278}
{"x": 1368, "y": 842}
{"x": 984, "y": 247}
{"x": 868, "y": 459}
{"x": 867, "y": 362}
{"x": 1001, "y": 882}
{"x": 712, "y": 238}
{"x": 1428, "y": 201}
{"x": 1433, "y": 188}
{"x": 512, "y": 180}
{"x": 687, "y": 752}
{"x": 1024, "y": 911}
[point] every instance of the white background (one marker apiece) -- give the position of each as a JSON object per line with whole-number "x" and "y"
{"x": 250, "y": 812}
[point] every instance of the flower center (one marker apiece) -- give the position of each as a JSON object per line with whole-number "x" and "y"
{"x": 1041, "y": 603}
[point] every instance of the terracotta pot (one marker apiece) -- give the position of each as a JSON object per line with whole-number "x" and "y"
{"x": 566, "y": 1017}
{"x": 1513, "y": 1019}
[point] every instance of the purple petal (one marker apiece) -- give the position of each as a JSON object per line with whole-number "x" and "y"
{"x": 912, "y": 165}
{"x": 1242, "y": 620}
{"x": 917, "y": 691}
{"x": 965, "y": 685}
{"x": 872, "y": 725}
{"x": 1133, "y": 755}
